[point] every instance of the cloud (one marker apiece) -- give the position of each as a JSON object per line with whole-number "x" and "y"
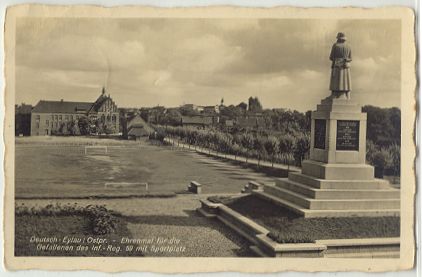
{"x": 367, "y": 64}
{"x": 144, "y": 62}
{"x": 162, "y": 78}
{"x": 73, "y": 53}
{"x": 205, "y": 54}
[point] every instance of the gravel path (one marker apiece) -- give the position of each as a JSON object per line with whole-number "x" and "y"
{"x": 188, "y": 234}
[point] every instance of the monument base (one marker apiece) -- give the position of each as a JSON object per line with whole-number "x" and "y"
{"x": 312, "y": 196}
{"x": 337, "y": 171}
{"x": 336, "y": 181}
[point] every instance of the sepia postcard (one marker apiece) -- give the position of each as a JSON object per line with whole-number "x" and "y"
{"x": 210, "y": 139}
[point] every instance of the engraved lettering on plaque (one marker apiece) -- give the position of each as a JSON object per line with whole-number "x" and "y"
{"x": 347, "y": 135}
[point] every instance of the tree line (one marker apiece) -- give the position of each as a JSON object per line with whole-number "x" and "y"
{"x": 383, "y": 139}
{"x": 286, "y": 138}
{"x": 288, "y": 149}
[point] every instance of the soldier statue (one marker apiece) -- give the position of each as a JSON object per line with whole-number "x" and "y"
{"x": 341, "y": 56}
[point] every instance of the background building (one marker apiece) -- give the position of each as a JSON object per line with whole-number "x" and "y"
{"x": 63, "y": 117}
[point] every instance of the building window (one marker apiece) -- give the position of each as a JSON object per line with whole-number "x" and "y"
{"x": 47, "y": 122}
{"x": 60, "y": 117}
{"x": 56, "y": 117}
{"x": 37, "y": 125}
{"x": 52, "y": 117}
{"x": 37, "y": 117}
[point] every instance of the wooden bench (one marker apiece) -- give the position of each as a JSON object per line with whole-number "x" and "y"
{"x": 195, "y": 187}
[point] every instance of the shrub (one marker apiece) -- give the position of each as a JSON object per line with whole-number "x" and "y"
{"x": 382, "y": 160}
{"x": 371, "y": 149}
{"x": 103, "y": 221}
{"x": 259, "y": 147}
{"x": 301, "y": 148}
{"x": 395, "y": 152}
{"x": 271, "y": 146}
{"x": 286, "y": 149}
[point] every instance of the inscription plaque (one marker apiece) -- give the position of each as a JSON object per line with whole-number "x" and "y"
{"x": 320, "y": 133}
{"x": 347, "y": 135}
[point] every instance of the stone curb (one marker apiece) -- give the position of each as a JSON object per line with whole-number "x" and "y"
{"x": 266, "y": 247}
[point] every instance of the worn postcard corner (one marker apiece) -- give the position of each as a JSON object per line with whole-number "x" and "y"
{"x": 209, "y": 139}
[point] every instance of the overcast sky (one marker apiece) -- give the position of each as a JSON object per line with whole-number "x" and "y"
{"x": 146, "y": 62}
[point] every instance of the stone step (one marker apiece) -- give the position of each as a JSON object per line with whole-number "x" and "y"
{"x": 307, "y": 213}
{"x": 337, "y": 171}
{"x": 287, "y": 184}
{"x": 371, "y": 184}
{"x": 331, "y": 204}
{"x": 315, "y": 193}
{"x": 296, "y": 198}
{"x": 354, "y": 204}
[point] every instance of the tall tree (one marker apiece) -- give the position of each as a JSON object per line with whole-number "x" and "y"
{"x": 271, "y": 146}
{"x": 172, "y": 117}
{"x": 383, "y": 125}
{"x": 254, "y": 104}
{"x": 231, "y": 112}
{"x": 84, "y": 125}
{"x": 286, "y": 149}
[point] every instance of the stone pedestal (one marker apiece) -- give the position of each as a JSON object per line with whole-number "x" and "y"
{"x": 335, "y": 181}
{"x": 338, "y": 141}
{"x": 338, "y": 132}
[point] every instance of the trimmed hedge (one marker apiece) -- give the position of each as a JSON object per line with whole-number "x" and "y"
{"x": 103, "y": 221}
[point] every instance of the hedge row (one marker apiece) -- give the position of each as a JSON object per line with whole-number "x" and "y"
{"x": 288, "y": 149}
{"x": 103, "y": 221}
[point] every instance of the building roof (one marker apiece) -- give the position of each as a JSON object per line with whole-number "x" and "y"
{"x": 99, "y": 102}
{"x": 138, "y": 131}
{"x": 138, "y": 122}
{"x": 44, "y": 106}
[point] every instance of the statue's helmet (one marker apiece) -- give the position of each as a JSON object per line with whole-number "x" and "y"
{"x": 341, "y": 35}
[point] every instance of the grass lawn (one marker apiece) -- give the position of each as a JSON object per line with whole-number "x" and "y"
{"x": 287, "y": 227}
{"x": 57, "y": 167}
